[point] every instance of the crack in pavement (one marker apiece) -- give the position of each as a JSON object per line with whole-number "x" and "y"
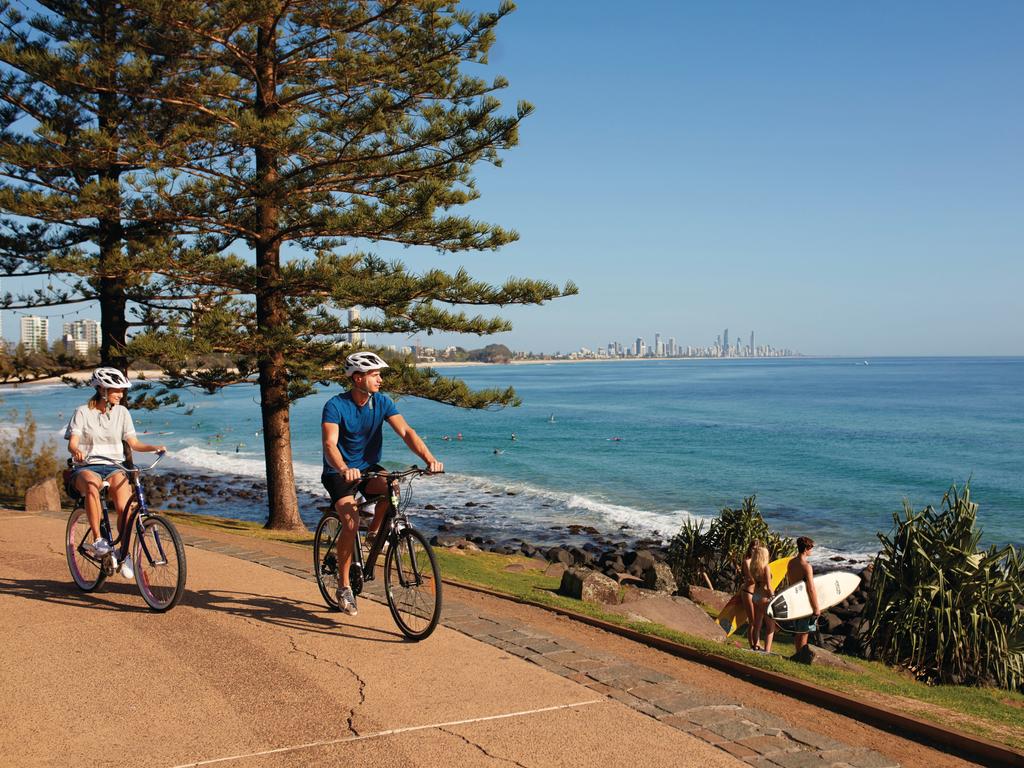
{"x": 350, "y": 720}
{"x": 488, "y": 754}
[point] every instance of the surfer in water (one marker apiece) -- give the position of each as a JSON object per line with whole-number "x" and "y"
{"x": 800, "y": 570}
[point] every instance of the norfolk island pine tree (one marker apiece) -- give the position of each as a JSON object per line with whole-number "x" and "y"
{"x": 78, "y": 122}
{"x": 328, "y": 123}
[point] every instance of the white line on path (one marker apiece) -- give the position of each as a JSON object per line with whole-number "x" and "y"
{"x": 391, "y": 732}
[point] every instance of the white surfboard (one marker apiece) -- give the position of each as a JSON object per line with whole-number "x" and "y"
{"x": 832, "y": 588}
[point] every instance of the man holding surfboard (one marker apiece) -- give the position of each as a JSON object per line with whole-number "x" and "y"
{"x": 799, "y": 570}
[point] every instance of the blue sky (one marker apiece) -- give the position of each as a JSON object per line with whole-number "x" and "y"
{"x": 839, "y": 178}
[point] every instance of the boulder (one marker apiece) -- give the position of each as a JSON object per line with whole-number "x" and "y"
{"x": 710, "y": 598}
{"x": 555, "y": 570}
{"x": 658, "y": 577}
{"x": 589, "y": 586}
{"x": 636, "y": 561}
{"x": 44, "y": 496}
{"x": 561, "y": 555}
{"x": 676, "y": 613}
{"x": 811, "y": 654}
{"x": 581, "y": 556}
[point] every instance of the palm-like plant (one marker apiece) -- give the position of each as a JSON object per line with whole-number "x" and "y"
{"x": 717, "y": 552}
{"x": 941, "y": 607}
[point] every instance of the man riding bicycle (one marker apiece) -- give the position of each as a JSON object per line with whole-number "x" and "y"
{"x": 351, "y": 428}
{"x": 96, "y": 435}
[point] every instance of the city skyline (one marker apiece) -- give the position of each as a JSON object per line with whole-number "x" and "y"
{"x": 848, "y": 180}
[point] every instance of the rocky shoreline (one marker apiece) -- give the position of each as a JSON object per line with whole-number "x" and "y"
{"x": 602, "y": 566}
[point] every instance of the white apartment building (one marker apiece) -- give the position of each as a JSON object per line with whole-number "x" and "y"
{"x": 81, "y": 336}
{"x": 35, "y": 332}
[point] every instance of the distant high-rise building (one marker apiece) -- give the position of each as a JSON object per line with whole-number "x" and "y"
{"x": 80, "y": 336}
{"x": 725, "y": 340}
{"x": 35, "y": 332}
{"x": 638, "y": 347}
{"x": 751, "y": 343}
{"x": 355, "y": 336}
{"x": 659, "y": 347}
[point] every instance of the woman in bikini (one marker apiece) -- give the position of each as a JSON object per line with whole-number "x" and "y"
{"x": 747, "y": 588}
{"x": 763, "y": 595}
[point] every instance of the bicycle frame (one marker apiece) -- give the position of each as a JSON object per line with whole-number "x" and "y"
{"x": 136, "y": 510}
{"x": 393, "y": 523}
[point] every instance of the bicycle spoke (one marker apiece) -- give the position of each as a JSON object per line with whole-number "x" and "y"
{"x": 412, "y": 584}
{"x": 159, "y": 563}
{"x": 325, "y": 558}
{"x": 85, "y": 569}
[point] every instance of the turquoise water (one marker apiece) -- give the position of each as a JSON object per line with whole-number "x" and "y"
{"x": 830, "y": 446}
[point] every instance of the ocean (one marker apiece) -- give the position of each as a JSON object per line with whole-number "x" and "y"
{"x": 831, "y": 447}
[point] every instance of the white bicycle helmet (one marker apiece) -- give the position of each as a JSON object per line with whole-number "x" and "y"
{"x": 111, "y": 378}
{"x": 363, "y": 362}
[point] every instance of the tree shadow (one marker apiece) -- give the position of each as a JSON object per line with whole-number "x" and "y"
{"x": 276, "y": 611}
{"x": 286, "y": 613}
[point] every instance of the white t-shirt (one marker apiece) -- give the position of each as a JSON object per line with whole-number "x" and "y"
{"x": 100, "y": 434}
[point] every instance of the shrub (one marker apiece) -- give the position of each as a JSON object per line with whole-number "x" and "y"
{"x": 717, "y": 553}
{"x": 942, "y": 608}
{"x": 22, "y": 463}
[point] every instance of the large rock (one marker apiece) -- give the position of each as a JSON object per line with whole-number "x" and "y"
{"x": 676, "y": 613}
{"x": 638, "y": 561}
{"x": 658, "y": 577}
{"x": 590, "y": 586}
{"x": 711, "y": 598}
{"x": 811, "y": 654}
{"x": 44, "y": 496}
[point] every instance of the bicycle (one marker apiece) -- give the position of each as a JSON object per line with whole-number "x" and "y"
{"x": 158, "y": 554}
{"x": 412, "y": 579}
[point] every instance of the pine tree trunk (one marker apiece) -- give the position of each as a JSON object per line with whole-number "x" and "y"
{"x": 277, "y": 446}
{"x": 271, "y": 314}
{"x": 113, "y": 303}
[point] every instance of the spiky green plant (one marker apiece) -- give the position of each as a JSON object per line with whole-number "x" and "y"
{"x": 718, "y": 552}
{"x": 943, "y": 608}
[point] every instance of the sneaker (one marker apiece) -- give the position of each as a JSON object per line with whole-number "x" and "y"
{"x": 99, "y": 548}
{"x": 126, "y": 568}
{"x": 347, "y": 601}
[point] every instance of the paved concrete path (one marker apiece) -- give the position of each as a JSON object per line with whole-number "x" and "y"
{"x": 251, "y": 669}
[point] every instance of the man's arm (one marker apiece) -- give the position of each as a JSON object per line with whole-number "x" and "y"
{"x": 415, "y": 443}
{"x": 329, "y": 432}
{"x": 812, "y": 593}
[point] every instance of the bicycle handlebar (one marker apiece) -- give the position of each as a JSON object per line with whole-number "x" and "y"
{"x": 413, "y": 471}
{"x": 159, "y": 457}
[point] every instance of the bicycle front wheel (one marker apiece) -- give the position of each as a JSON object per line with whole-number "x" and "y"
{"x": 412, "y": 583}
{"x": 159, "y": 563}
{"x": 325, "y": 557}
{"x": 85, "y": 569}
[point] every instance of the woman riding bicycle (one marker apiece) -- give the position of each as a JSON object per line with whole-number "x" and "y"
{"x": 96, "y": 435}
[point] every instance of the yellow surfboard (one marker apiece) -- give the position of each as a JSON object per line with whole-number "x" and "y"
{"x": 734, "y": 616}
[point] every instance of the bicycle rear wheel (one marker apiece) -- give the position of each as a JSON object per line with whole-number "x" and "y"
{"x": 159, "y": 563}
{"x": 85, "y": 569}
{"x": 325, "y": 557}
{"x": 412, "y": 584}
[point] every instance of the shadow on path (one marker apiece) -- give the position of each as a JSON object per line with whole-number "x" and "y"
{"x": 287, "y": 613}
{"x": 66, "y": 593}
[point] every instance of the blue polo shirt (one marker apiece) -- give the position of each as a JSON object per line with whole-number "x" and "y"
{"x": 359, "y": 428}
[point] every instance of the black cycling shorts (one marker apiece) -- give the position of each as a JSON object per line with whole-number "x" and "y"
{"x": 339, "y": 488}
